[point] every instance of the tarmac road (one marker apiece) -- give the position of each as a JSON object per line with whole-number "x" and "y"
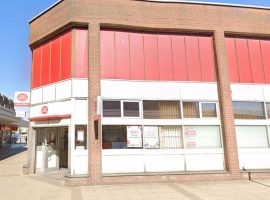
{"x": 11, "y": 150}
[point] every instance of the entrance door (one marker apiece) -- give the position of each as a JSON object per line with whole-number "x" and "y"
{"x": 63, "y": 147}
{"x": 51, "y": 161}
{"x": 51, "y": 149}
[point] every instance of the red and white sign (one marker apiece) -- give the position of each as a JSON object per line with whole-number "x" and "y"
{"x": 44, "y": 110}
{"x": 22, "y": 99}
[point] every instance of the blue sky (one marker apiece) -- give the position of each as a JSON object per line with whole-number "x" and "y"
{"x": 15, "y": 55}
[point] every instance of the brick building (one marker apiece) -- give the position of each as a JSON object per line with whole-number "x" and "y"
{"x": 143, "y": 91}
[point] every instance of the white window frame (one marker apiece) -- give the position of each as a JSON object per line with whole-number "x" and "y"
{"x": 200, "y": 109}
{"x": 208, "y": 102}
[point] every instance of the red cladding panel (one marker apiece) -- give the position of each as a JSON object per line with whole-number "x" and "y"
{"x": 136, "y": 56}
{"x": 107, "y": 58}
{"x": 179, "y": 58}
{"x": 207, "y": 59}
{"x": 243, "y": 61}
{"x": 46, "y": 64}
{"x": 256, "y": 61}
{"x": 193, "y": 58}
{"x": 232, "y": 60}
{"x": 36, "y": 67}
{"x": 151, "y": 57}
{"x": 265, "y": 47}
{"x": 81, "y": 53}
{"x": 55, "y": 60}
{"x": 66, "y": 43}
{"x": 165, "y": 57}
{"x": 122, "y": 55}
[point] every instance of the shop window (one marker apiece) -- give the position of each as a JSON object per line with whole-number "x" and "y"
{"x": 202, "y": 137}
{"x": 248, "y": 110}
{"x": 191, "y": 109}
{"x": 268, "y": 109}
{"x": 163, "y": 137}
{"x": 209, "y": 109}
{"x": 170, "y": 137}
{"x": 111, "y": 109}
{"x": 121, "y": 137}
{"x": 131, "y": 109}
{"x": 80, "y": 137}
{"x": 114, "y": 137}
{"x": 251, "y": 136}
{"x": 161, "y": 109}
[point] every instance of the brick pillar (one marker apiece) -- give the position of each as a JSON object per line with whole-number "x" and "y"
{"x": 29, "y": 167}
{"x": 94, "y": 156}
{"x": 225, "y": 102}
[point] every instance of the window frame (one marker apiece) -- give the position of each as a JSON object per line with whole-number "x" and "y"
{"x": 200, "y": 109}
{"x": 264, "y": 109}
{"x": 131, "y": 101}
{"x": 208, "y": 102}
{"x": 111, "y": 100}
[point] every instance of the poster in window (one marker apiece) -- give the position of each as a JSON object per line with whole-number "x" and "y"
{"x": 134, "y": 136}
{"x": 190, "y": 136}
{"x": 151, "y": 139}
{"x": 80, "y": 135}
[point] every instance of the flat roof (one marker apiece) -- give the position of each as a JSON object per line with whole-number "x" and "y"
{"x": 172, "y": 1}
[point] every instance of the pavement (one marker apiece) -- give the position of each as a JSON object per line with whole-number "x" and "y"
{"x": 14, "y": 185}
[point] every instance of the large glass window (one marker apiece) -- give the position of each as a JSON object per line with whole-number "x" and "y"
{"x": 163, "y": 137}
{"x": 209, "y": 109}
{"x": 191, "y": 109}
{"x": 114, "y": 137}
{"x": 268, "y": 109}
{"x": 131, "y": 109}
{"x": 202, "y": 137}
{"x": 251, "y": 136}
{"x": 111, "y": 109}
{"x": 161, "y": 109}
{"x": 170, "y": 137}
{"x": 248, "y": 110}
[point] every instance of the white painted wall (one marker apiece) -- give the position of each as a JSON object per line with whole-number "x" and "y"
{"x": 117, "y": 89}
{"x": 251, "y": 158}
{"x": 59, "y": 91}
{"x": 160, "y": 160}
{"x": 250, "y": 92}
{"x": 79, "y": 88}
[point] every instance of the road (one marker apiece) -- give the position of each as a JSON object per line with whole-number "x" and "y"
{"x": 15, "y": 186}
{"x": 11, "y": 150}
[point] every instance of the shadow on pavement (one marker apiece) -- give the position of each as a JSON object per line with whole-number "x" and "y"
{"x": 11, "y": 150}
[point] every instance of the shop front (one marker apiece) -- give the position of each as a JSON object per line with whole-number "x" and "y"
{"x": 51, "y": 149}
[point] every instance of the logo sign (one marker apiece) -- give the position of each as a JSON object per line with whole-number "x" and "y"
{"x": 44, "y": 110}
{"x": 22, "y": 99}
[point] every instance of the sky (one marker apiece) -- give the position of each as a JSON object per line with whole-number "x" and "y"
{"x": 15, "y": 54}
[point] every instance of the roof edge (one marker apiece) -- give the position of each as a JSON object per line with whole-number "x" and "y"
{"x": 209, "y": 3}
{"x": 44, "y": 11}
{"x": 168, "y": 1}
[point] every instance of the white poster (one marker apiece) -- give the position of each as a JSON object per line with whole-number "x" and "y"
{"x": 80, "y": 135}
{"x": 134, "y": 136}
{"x": 151, "y": 139}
